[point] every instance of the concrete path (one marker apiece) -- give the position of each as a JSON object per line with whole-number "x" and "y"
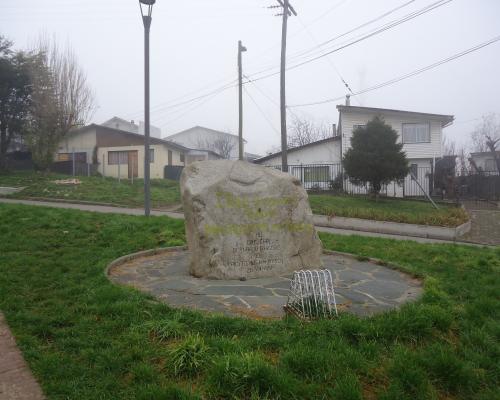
{"x": 5, "y": 190}
{"x": 16, "y": 380}
{"x": 139, "y": 211}
{"x": 362, "y": 287}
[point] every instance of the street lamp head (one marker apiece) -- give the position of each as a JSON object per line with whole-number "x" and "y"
{"x": 146, "y": 7}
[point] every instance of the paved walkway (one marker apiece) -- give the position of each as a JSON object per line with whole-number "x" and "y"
{"x": 362, "y": 287}
{"x": 139, "y": 211}
{"x": 16, "y": 379}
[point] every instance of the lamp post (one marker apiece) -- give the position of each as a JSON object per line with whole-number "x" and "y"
{"x": 146, "y": 7}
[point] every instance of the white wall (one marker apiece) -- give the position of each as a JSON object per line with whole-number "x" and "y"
{"x": 480, "y": 160}
{"x": 81, "y": 142}
{"x": 156, "y": 167}
{"x": 324, "y": 153}
{"x": 154, "y": 131}
{"x": 413, "y": 151}
{"x": 196, "y": 137}
{"x": 121, "y": 125}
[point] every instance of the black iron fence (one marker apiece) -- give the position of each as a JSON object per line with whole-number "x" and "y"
{"x": 480, "y": 186}
{"x": 74, "y": 168}
{"x": 331, "y": 177}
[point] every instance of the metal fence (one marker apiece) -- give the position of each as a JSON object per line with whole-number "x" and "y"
{"x": 320, "y": 177}
{"x": 74, "y": 168}
{"x": 481, "y": 186}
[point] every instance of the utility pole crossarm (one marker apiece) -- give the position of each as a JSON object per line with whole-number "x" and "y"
{"x": 289, "y": 7}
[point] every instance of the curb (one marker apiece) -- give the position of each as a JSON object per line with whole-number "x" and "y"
{"x": 393, "y": 228}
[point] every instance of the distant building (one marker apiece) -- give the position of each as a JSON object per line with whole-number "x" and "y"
{"x": 484, "y": 162}
{"x": 119, "y": 152}
{"x": 226, "y": 145}
{"x": 132, "y": 127}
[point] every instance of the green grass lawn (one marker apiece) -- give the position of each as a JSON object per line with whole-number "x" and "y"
{"x": 395, "y": 210}
{"x": 85, "y": 338}
{"x": 164, "y": 192}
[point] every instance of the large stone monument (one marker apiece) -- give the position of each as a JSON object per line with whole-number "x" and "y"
{"x": 246, "y": 221}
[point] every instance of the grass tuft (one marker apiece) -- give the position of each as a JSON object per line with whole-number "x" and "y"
{"x": 190, "y": 356}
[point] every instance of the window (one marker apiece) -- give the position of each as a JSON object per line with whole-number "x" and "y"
{"x": 317, "y": 174}
{"x": 490, "y": 165}
{"x": 354, "y": 127}
{"x": 64, "y": 157}
{"x": 181, "y": 157}
{"x": 117, "y": 157}
{"x": 79, "y": 157}
{"x": 416, "y": 133}
{"x": 151, "y": 156}
{"x": 414, "y": 170}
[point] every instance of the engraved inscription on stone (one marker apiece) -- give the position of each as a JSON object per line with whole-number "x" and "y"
{"x": 246, "y": 221}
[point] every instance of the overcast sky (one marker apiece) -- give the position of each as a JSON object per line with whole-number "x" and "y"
{"x": 194, "y": 50}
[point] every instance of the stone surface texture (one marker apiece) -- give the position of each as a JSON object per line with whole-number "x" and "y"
{"x": 362, "y": 287}
{"x": 246, "y": 221}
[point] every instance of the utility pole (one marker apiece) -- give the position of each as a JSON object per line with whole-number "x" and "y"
{"x": 241, "y": 49}
{"x": 288, "y": 10}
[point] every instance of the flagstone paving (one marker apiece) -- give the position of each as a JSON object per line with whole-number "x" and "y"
{"x": 362, "y": 287}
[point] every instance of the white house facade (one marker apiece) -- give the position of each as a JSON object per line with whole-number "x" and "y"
{"x": 118, "y": 153}
{"x": 201, "y": 138}
{"x": 130, "y": 126}
{"x": 420, "y": 133}
{"x": 484, "y": 162}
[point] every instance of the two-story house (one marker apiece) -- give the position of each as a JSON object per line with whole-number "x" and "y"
{"x": 420, "y": 133}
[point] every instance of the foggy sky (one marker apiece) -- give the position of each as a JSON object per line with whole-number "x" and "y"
{"x": 194, "y": 50}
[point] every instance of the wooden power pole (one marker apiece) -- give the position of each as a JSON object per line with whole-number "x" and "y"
{"x": 288, "y": 10}
{"x": 241, "y": 49}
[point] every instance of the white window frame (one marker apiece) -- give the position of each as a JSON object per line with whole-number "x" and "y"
{"x": 417, "y": 139}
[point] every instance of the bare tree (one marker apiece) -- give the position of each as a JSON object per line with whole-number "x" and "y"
{"x": 303, "y": 131}
{"x": 62, "y": 99}
{"x": 222, "y": 144}
{"x": 449, "y": 147}
{"x": 463, "y": 165}
{"x": 486, "y": 136}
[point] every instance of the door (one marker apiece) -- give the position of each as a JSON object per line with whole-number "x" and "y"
{"x": 133, "y": 166}
{"x": 170, "y": 157}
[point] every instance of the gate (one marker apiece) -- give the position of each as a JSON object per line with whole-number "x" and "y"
{"x": 173, "y": 172}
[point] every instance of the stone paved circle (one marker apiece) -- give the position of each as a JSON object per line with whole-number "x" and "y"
{"x": 362, "y": 287}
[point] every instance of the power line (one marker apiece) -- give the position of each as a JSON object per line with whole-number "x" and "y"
{"x": 367, "y": 36}
{"x": 360, "y": 27}
{"x": 167, "y": 105}
{"x": 328, "y": 59}
{"x": 408, "y": 75}
{"x": 191, "y": 109}
{"x": 261, "y": 111}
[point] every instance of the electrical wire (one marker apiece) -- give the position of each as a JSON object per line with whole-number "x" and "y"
{"x": 408, "y": 75}
{"x": 367, "y": 36}
{"x": 261, "y": 111}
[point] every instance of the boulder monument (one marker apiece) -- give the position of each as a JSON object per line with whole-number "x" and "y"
{"x": 246, "y": 221}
